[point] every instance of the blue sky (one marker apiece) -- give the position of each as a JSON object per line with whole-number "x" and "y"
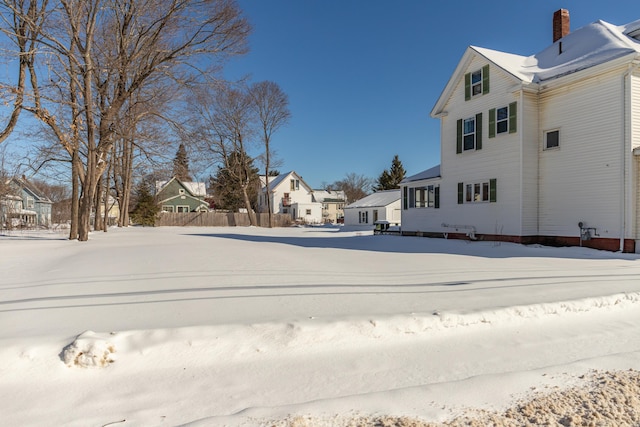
{"x": 363, "y": 75}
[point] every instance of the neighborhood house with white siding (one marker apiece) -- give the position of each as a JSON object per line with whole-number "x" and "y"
{"x": 538, "y": 149}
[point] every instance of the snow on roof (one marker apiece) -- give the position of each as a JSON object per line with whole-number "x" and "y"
{"x": 583, "y": 48}
{"x": 379, "y": 198}
{"x": 195, "y": 188}
{"x": 433, "y": 172}
{"x": 275, "y": 181}
{"x": 326, "y": 195}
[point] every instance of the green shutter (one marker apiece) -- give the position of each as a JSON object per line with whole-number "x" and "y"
{"x": 404, "y": 198}
{"x": 479, "y": 131}
{"x": 460, "y": 193}
{"x": 459, "y": 137}
{"x": 492, "y": 123}
{"x": 513, "y": 117}
{"x": 492, "y": 190}
{"x": 436, "y": 197}
{"x": 467, "y": 86}
{"x": 485, "y": 79}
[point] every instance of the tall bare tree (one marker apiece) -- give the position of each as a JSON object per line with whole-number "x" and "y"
{"x": 271, "y": 108}
{"x": 97, "y": 53}
{"x": 223, "y": 120}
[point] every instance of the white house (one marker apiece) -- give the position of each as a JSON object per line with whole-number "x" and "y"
{"x": 289, "y": 194}
{"x": 333, "y": 203}
{"x": 538, "y": 149}
{"x": 379, "y": 206}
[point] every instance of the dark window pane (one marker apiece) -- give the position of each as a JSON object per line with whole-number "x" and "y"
{"x": 501, "y": 127}
{"x": 553, "y": 139}
{"x": 469, "y": 142}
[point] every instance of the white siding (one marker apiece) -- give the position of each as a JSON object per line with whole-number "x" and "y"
{"x": 529, "y": 126}
{"x": 498, "y": 159}
{"x": 635, "y": 143}
{"x": 581, "y": 180}
{"x": 635, "y": 111}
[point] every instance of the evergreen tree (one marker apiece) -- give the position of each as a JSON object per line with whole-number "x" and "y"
{"x": 181, "y": 165}
{"x": 390, "y": 179}
{"x": 228, "y": 182}
{"x": 146, "y": 209}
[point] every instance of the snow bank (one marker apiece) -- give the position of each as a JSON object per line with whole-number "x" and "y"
{"x": 89, "y": 350}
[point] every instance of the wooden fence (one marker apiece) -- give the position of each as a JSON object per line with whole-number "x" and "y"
{"x": 218, "y": 219}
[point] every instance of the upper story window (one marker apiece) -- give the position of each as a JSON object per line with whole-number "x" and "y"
{"x": 503, "y": 119}
{"x": 551, "y": 139}
{"x": 476, "y": 83}
{"x": 295, "y": 184}
{"x": 469, "y": 134}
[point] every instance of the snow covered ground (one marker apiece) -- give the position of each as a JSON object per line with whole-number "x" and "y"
{"x": 249, "y": 326}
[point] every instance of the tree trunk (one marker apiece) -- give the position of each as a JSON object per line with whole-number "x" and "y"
{"x": 247, "y": 203}
{"x": 98, "y": 225}
{"x": 75, "y": 197}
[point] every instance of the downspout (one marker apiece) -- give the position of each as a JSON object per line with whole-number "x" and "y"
{"x": 626, "y": 112}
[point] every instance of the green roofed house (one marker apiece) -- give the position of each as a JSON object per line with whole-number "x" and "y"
{"x": 177, "y": 196}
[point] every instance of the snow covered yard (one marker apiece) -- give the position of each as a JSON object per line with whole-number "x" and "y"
{"x": 303, "y": 326}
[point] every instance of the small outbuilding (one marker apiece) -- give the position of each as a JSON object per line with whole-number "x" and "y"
{"x": 379, "y": 206}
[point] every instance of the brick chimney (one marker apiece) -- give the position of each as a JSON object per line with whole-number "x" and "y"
{"x": 560, "y": 24}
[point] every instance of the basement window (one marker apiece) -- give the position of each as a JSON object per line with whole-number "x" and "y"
{"x": 551, "y": 139}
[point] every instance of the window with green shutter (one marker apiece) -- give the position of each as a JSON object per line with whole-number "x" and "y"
{"x": 477, "y": 192}
{"x": 469, "y": 134}
{"x": 492, "y": 190}
{"x": 405, "y": 201}
{"x": 513, "y": 117}
{"x": 503, "y": 120}
{"x": 476, "y": 83}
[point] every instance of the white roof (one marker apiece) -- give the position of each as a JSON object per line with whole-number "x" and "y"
{"x": 377, "y": 199}
{"x": 433, "y": 172}
{"x": 196, "y": 188}
{"x": 322, "y": 195}
{"x": 585, "y": 47}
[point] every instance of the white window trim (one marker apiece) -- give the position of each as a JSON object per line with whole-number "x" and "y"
{"x": 183, "y": 206}
{"x": 475, "y": 128}
{"x": 506, "y": 120}
{"x": 429, "y": 195}
{"x": 472, "y": 197}
{"x": 477, "y": 84}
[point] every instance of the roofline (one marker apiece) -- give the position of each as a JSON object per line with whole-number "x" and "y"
{"x": 629, "y": 58}
{"x": 437, "y": 110}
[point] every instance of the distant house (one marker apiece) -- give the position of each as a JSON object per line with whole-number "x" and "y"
{"x": 290, "y": 195}
{"x": 379, "y": 206}
{"x": 333, "y": 203}
{"x": 181, "y": 197}
{"x": 26, "y": 206}
{"x": 538, "y": 149}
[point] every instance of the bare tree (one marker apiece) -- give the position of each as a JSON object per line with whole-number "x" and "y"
{"x": 97, "y": 53}
{"x": 271, "y": 108}
{"x": 355, "y": 186}
{"x": 223, "y": 121}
